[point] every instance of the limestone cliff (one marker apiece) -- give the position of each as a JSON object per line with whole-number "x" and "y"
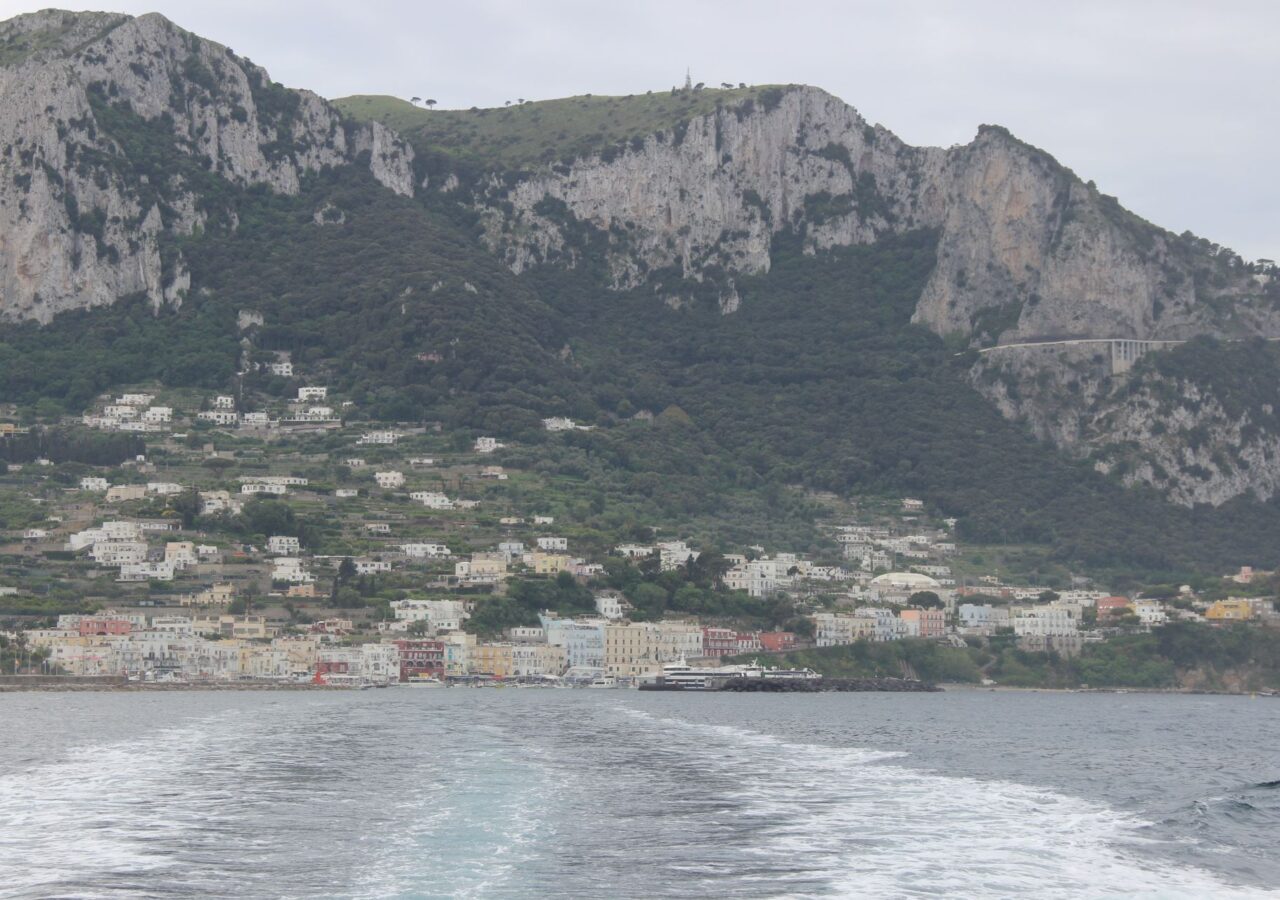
{"x": 1200, "y": 422}
{"x": 115, "y": 131}
{"x": 1027, "y": 252}
{"x": 1026, "y": 249}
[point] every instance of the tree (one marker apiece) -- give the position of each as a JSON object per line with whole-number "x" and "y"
{"x": 925, "y": 600}
{"x": 346, "y": 570}
{"x": 347, "y": 598}
{"x": 648, "y": 600}
{"x": 187, "y": 505}
{"x": 419, "y": 628}
{"x": 415, "y": 100}
{"x": 430, "y": 103}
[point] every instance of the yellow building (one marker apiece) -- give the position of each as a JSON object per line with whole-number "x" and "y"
{"x": 491, "y": 659}
{"x": 1233, "y": 609}
{"x": 630, "y": 650}
{"x": 549, "y": 563}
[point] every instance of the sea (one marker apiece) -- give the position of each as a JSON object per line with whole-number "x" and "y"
{"x": 412, "y": 792}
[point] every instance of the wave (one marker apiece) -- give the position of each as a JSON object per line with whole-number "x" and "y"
{"x": 867, "y": 825}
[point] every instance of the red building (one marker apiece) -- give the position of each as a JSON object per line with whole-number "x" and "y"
{"x": 777, "y": 641}
{"x": 104, "y": 625}
{"x": 749, "y": 642}
{"x": 719, "y": 642}
{"x": 1113, "y": 606}
{"x": 421, "y": 657}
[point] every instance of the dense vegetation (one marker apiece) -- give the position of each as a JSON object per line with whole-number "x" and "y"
{"x": 819, "y": 380}
{"x": 1169, "y": 656}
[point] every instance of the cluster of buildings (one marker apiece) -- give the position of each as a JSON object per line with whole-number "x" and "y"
{"x": 125, "y": 546}
{"x": 131, "y": 412}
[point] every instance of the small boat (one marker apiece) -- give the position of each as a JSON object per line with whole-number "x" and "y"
{"x": 423, "y": 681}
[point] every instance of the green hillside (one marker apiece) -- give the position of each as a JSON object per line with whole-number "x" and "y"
{"x": 819, "y": 381}
{"x": 547, "y": 131}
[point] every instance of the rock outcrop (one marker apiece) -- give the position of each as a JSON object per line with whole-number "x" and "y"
{"x": 1026, "y": 252}
{"x": 1025, "y": 249}
{"x": 94, "y": 110}
{"x": 1201, "y": 433}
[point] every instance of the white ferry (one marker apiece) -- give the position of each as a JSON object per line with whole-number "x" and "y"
{"x": 680, "y": 676}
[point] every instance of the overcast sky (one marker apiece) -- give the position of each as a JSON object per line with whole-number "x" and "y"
{"x": 1172, "y": 105}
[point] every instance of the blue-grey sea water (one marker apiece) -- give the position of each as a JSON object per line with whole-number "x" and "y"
{"x": 556, "y": 793}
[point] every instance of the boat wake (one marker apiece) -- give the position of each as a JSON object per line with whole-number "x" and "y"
{"x": 866, "y": 824}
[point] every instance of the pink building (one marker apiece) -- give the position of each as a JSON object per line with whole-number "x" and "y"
{"x": 930, "y": 623}
{"x": 104, "y": 625}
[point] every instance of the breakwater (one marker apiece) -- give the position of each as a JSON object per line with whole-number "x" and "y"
{"x": 825, "y": 685}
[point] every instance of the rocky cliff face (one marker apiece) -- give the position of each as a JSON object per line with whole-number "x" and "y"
{"x": 1026, "y": 250}
{"x": 1200, "y": 432}
{"x": 111, "y": 129}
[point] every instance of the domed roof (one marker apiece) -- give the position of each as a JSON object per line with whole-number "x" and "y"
{"x": 908, "y": 580}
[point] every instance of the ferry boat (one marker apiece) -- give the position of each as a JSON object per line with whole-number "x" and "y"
{"x": 680, "y": 676}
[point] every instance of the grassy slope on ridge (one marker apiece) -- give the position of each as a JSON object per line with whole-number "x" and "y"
{"x": 545, "y": 131}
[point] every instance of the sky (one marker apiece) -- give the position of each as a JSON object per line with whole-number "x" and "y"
{"x": 1171, "y": 106}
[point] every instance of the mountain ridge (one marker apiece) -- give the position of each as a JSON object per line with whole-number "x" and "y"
{"x": 82, "y": 220}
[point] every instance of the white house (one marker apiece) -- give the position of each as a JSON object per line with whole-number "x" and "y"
{"x": 610, "y": 606}
{"x": 158, "y": 414}
{"x": 553, "y": 543}
{"x": 487, "y": 444}
{"x": 312, "y": 393}
{"x": 344, "y": 493}
{"x": 389, "y": 480}
{"x": 219, "y": 416}
{"x": 290, "y": 569}
{"x": 278, "y": 490}
{"x": 283, "y": 545}
{"x": 91, "y": 483}
{"x": 222, "y": 401}
{"x": 118, "y": 553}
{"x": 379, "y": 437}
{"x": 432, "y": 499}
{"x": 424, "y": 551}
{"x": 180, "y": 554}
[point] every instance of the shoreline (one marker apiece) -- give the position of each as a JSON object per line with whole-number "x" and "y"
{"x": 1203, "y": 692}
{"x": 138, "y": 687}
{"x": 118, "y": 686}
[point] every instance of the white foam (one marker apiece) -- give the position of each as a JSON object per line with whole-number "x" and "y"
{"x": 865, "y": 827}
